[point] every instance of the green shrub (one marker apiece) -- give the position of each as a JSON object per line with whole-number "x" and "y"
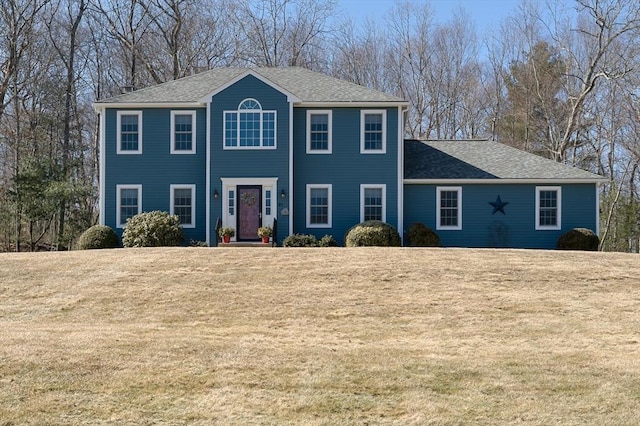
{"x": 372, "y": 233}
{"x": 152, "y": 229}
{"x": 327, "y": 241}
{"x": 579, "y": 239}
{"x": 98, "y": 237}
{"x": 300, "y": 240}
{"x": 420, "y": 235}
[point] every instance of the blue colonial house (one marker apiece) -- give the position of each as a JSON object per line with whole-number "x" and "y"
{"x": 242, "y": 147}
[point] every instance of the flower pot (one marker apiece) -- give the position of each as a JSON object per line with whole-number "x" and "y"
{"x": 265, "y": 239}
{"x": 226, "y": 239}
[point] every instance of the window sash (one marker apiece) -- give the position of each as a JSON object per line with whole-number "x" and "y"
{"x": 373, "y": 204}
{"x": 318, "y": 206}
{"x": 249, "y": 129}
{"x": 129, "y": 132}
{"x": 449, "y": 205}
{"x": 183, "y": 131}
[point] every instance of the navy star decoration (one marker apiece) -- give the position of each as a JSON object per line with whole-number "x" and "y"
{"x": 498, "y": 205}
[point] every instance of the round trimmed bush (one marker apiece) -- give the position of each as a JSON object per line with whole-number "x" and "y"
{"x": 152, "y": 229}
{"x": 300, "y": 240}
{"x": 98, "y": 237}
{"x": 420, "y": 235}
{"x": 372, "y": 233}
{"x": 579, "y": 239}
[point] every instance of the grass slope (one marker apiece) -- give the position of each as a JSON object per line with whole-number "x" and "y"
{"x": 319, "y": 336}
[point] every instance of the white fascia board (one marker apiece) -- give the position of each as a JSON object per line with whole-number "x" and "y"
{"x": 290, "y": 96}
{"x": 138, "y": 105}
{"x": 497, "y": 181}
{"x": 351, "y": 104}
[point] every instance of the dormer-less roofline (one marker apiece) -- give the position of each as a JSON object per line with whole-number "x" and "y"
{"x": 290, "y": 96}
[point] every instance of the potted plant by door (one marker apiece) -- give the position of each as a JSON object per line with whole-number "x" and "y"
{"x": 226, "y": 233}
{"x": 265, "y": 232}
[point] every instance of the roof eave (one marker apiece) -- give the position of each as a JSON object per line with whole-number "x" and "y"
{"x": 104, "y": 105}
{"x": 503, "y": 181}
{"x": 351, "y": 104}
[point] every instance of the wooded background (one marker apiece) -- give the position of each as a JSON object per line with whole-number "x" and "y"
{"x": 558, "y": 78}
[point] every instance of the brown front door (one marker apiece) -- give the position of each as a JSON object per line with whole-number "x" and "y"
{"x": 249, "y": 212}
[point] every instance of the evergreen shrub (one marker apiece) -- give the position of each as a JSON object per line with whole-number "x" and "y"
{"x": 152, "y": 229}
{"x": 420, "y": 235}
{"x": 372, "y": 233}
{"x": 579, "y": 239}
{"x": 98, "y": 237}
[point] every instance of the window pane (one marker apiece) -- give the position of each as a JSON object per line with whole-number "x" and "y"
{"x": 231, "y": 129}
{"x": 249, "y": 129}
{"x": 268, "y": 129}
{"x": 373, "y": 131}
{"x": 373, "y": 204}
{"x": 267, "y": 202}
{"x": 183, "y": 132}
{"x": 449, "y": 208}
{"x": 319, "y": 134}
{"x": 319, "y": 206}
{"x": 128, "y": 204}
{"x": 129, "y": 132}
{"x": 548, "y": 208}
{"x": 232, "y": 202}
{"x": 182, "y": 205}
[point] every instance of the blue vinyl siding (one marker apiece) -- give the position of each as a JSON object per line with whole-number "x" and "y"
{"x": 345, "y": 169}
{"x": 251, "y": 162}
{"x": 516, "y": 228}
{"x": 156, "y": 168}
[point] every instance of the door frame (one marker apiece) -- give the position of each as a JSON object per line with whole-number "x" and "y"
{"x": 230, "y": 209}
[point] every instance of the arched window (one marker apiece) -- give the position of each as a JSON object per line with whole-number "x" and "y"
{"x": 249, "y": 126}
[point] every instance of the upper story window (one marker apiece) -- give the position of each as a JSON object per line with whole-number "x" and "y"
{"x": 129, "y": 134}
{"x": 373, "y": 131}
{"x": 129, "y": 203}
{"x": 449, "y": 208}
{"x": 373, "y": 202}
{"x": 249, "y": 127}
{"x": 183, "y": 130}
{"x": 548, "y": 207}
{"x": 319, "y": 132}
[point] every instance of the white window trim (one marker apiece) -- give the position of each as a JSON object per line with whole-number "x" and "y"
{"x": 329, "y": 189}
{"x": 364, "y": 113}
{"x": 329, "y": 115}
{"x": 173, "y": 132}
{"x": 384, "y": 199}
{"x": 439, "y": 191}
{"x": 558, "y": 225}
{"x": 119, "y": 132}
{"x": 192, "y": 187}
{"x": 119, "y": 188}
{"x": 237, "y": 112}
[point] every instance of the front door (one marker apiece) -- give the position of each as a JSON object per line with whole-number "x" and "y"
{"x": 249, "y": 212}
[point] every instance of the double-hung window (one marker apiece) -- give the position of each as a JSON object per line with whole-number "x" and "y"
{"x": 183, "y": 130}
{"x": 129, "y": 203}
{"x": 129, "y": 132}
{"x": 319, "y": 132}
{"x": 373, "y": 131}
{"x": 373, "y": 202}
{"x": 449, "y": 208}
{"x": 318, "y": 206}
{"x": 249, "y": 127}
{"x": 548, "y": 207}
{"x": 183, "y": 204}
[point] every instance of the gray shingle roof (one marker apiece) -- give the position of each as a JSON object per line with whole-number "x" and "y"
{"x": 474, "y": 159}
{"x": 308, "y": 86}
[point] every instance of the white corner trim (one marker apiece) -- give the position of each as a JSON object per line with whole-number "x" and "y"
{"x": 103, "y": 170}
{"x": 208, "y": 178}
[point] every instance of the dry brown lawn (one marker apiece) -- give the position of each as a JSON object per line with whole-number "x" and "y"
{"x": 319, "y": 336}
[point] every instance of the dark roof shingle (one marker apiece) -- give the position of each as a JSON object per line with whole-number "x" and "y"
{"x": 480, "y": 159}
